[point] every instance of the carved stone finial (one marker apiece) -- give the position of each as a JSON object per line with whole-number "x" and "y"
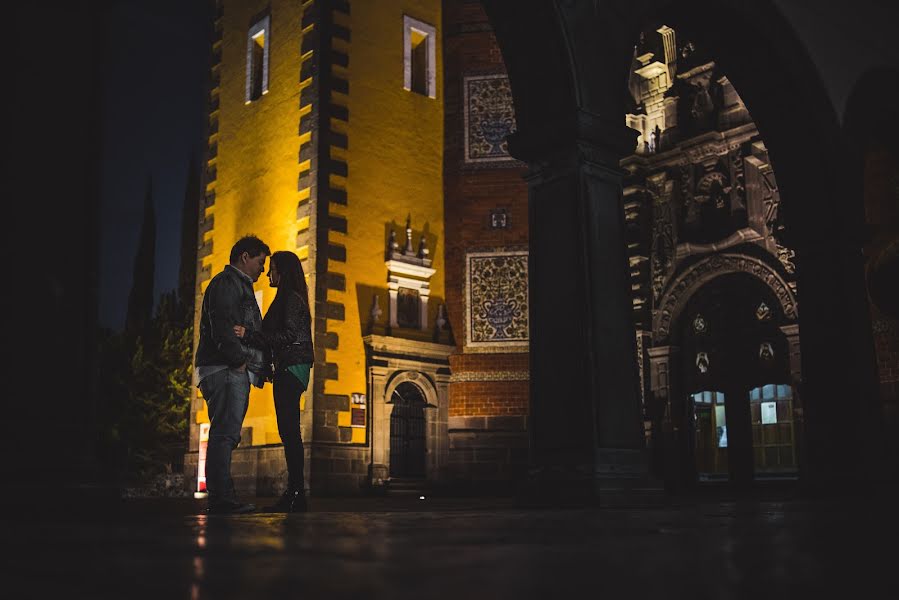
{"x": 423, "y": 248}
{"x": 375, "y": 309}
{"x": 392, "y": 245}
{"x": 409, "y": 249}
{"x": 441, "y": 317}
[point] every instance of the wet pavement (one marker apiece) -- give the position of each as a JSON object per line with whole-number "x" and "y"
{"x": 457, "y": 548}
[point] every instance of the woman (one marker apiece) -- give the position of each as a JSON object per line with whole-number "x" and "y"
{"x": 286, "y": 334}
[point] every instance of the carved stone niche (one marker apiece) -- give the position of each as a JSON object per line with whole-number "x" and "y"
{"x": 390, "y": 363}
{"x": 408, "y": 282}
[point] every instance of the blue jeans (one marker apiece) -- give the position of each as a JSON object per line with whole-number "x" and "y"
{"x": 227, "y": 395}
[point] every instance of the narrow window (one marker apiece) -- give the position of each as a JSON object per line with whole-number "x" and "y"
{"x": 419, "y": 57}
{"x": 408, "y": 307}
{"x": 257, "y": 59}
{"x": 419, "y": 63}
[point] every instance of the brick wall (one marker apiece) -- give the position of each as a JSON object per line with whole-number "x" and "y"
{"x": 488, "y": 396}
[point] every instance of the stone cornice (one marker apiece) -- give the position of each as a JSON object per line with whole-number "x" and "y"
{"x": 383, "y": 344}
{"x": 693, "y": 150}
{"x": 404, "y": 268}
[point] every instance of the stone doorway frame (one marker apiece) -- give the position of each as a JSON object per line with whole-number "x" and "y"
{"x": 391, "y": 361}
{"x": 666, "y": 382}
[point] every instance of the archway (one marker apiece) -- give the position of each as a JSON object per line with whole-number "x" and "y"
{"x": 735, "y": 378}
{"x": 569, "y": 106}
{"x": 408, "y": 442}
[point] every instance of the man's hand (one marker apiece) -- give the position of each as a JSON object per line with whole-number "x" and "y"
{"x": 240, "y": 331}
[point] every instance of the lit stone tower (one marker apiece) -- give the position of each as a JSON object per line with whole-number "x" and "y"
{"x": 326, "y": 134}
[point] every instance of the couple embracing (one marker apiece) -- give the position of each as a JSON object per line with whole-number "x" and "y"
{"x": 239, "y": 348}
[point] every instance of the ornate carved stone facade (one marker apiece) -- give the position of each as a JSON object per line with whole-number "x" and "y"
{"x": 701, "y": 202}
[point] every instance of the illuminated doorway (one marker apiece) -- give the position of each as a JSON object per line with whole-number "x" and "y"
{"x": 407, "y": 431}
{"x": 735, "y": 367}
{"x": 709, "y": 432}
{"x": 773, "y": 431}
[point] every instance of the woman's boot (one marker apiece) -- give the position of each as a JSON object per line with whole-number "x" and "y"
{"x": 292, "y": 500}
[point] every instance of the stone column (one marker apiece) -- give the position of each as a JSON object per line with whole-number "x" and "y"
{"x": 438, "y": 430}
{"x": 380, "y": 425}
{"x": 667, "y": 401}
{"x": 842, "y": 433}
{"x": 424, "y": 294}
{"x": 392, "y": 292}
{"x": 792, "y": 334}
{"x": 586, "y": 423}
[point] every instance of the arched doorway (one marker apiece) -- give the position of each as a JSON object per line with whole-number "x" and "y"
{"x": 407, "y": 431}
{"x": 569, "y": 133}
{"x": 735, "y": 372}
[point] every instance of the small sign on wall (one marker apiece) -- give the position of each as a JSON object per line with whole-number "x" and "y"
{"x": 357, "y": 410}
{"x": 769, "y": 413}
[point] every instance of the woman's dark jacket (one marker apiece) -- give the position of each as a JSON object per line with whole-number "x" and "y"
{"x": 286, "y": 332}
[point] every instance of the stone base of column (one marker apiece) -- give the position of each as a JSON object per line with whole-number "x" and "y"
{"x": 622, "y": 479}
{"x": 378, "y": 475}
{"x": 618, "y": 478}
{"x": 558, "y": 485}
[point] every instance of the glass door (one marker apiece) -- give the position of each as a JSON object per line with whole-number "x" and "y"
{"x": 773, "y": 434}
{"x": 710, "y": 435}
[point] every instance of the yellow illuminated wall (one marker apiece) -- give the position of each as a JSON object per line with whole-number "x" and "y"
{"x": 395, "y": 160}
{"x": 256, "y": 160}
{"x": 394, "y": 157}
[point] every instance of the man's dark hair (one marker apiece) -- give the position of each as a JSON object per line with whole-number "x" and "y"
{"x": 250, "y": 244}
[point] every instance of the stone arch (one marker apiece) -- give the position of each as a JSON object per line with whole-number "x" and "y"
{"x": 540, "y": 75}
{"x": 422, "y": 381}
{"x": 682, "y": 288}
{"x": 433, "y": 390}
{"x": 567, "y": 62}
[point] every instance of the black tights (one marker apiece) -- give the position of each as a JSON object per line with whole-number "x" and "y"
{"x": 287, "y": 391}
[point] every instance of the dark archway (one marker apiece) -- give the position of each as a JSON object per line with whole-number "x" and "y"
{"x": 732, "y": 346}
{"x": 408, "y": 444}
{"x": 567, "y": 63}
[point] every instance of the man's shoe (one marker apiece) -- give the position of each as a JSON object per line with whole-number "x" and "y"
{"x": 230, "y": 508}
{"x": 291, "y": 501}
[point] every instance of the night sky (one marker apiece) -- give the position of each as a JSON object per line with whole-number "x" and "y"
{"x": 153, "y": 121}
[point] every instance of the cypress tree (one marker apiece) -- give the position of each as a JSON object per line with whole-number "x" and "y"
{"x": 140, "y": 299}
{"x": 190, "y": 214}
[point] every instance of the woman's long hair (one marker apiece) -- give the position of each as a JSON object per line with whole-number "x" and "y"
{"x": 292, "y": 279}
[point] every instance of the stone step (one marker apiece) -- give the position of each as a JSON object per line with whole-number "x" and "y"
{"x": 407, "y": 486}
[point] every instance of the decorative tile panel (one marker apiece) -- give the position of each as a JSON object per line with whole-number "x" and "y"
{"x": 489, "y": 118}
{"x": 496, "y": 298}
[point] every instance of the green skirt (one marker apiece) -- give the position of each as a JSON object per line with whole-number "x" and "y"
{"x": 301, "y": 372}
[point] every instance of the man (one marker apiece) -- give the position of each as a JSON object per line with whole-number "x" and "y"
{"x": 226, "y": 367}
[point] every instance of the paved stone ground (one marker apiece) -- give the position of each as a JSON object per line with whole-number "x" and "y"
{"x": 459, "y": 548}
